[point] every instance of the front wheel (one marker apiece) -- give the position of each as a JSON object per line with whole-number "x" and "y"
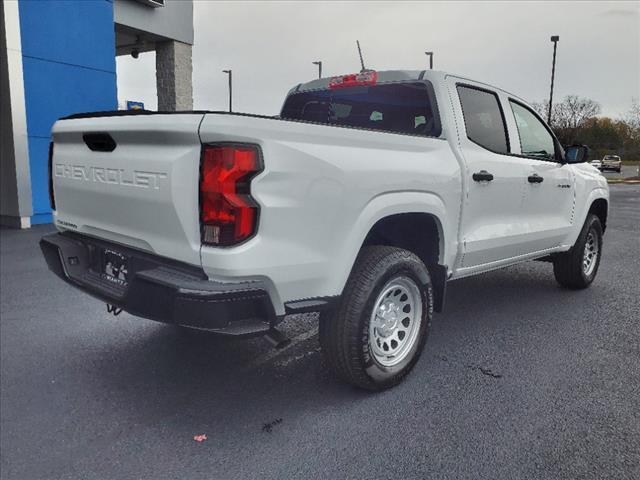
{"x": 376, "y": 334}
{"x": 578, "y": 267}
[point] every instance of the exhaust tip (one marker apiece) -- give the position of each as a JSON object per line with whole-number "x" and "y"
{"x": 276, "y": 338}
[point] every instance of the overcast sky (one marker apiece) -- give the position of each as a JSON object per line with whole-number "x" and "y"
{"x": 270, "y": 47}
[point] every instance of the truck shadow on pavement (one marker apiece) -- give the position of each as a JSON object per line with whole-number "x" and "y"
{"x": 202, "y": 381}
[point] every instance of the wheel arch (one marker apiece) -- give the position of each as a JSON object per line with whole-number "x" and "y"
{"x": 600, "y": 208}
{"x": 415, "y": 221}
{"x": 595, "y": 201}
{"x": 420, "y": 233}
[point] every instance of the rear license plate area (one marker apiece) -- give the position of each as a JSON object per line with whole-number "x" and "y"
{"x": 115, "y": 267}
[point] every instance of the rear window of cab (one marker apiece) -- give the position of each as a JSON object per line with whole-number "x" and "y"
{"x": 407, "y": 108}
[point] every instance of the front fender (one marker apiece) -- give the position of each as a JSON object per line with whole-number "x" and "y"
{"x": 582, "y": 209}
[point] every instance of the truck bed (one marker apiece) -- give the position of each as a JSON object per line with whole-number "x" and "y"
{"x": 319, "y": 184}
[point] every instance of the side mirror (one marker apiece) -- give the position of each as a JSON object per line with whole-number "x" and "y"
{"x": 576, "y": 154}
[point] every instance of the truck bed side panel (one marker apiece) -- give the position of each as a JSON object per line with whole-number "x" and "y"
{"x": 323, "y": 187}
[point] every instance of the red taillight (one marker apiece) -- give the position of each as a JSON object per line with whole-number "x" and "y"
{"x": 368, "y": 77}
{"x": 52, "y": 198}
{"x": 228, "y": 213}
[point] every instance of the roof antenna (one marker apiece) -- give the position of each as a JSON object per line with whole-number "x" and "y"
{"x": 360, "y": 53}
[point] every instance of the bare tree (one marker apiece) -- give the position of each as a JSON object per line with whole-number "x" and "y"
{"x": 541, "y": 108}
{"x": 569, "y": 114}
{"x": 573, "y": 112}
{"x": 632, "y": 119}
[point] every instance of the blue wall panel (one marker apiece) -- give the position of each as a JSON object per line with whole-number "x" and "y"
{"x": 39, "y": 148}
{"x": 78, "y": 32}
{"x": 68, "y": 54}
{"x": 54, "y": 90}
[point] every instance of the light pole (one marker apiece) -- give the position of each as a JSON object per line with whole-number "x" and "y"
{"x": 319, "y": 63}
{"x": 229, "y": 72}
{"x": 554, "y": 39}
{"x": 430, "y": 54}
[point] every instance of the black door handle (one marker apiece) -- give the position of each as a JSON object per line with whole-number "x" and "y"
{"x": 482, "y": 176}
{"x": 535, "y": 178}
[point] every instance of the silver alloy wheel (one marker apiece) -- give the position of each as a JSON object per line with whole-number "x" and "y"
{"x": 395, "y": 321}
{"x": 591, "y": 252}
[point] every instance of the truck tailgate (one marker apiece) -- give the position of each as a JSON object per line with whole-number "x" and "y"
{"x": 143, "y": 193}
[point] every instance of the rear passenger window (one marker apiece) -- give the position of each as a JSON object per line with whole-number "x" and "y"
{"x": 483, "y": 119}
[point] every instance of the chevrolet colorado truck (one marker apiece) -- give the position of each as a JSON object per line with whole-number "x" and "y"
{"x": 361, "y": 200}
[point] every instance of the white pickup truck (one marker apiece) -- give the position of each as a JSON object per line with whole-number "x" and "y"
{"x": 361, "y": 200}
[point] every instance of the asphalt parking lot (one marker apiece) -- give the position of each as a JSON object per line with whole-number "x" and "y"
{"x": 627, "y": 171}
{"x": 519, "y": 380}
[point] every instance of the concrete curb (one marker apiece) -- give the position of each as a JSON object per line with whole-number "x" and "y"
{"x": 615, "y": 181}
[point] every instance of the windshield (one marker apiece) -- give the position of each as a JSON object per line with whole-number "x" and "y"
{"x": 408, "y": 108}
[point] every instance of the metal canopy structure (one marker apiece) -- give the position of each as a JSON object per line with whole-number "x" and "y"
{"x": 140, "y": 24}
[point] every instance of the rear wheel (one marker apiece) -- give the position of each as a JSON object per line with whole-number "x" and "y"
{"x": 578, "y": 267}
{"x": 376, "y": 334}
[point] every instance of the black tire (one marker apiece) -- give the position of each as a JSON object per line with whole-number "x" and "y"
{"x": 344, "y": 331}
{"x": 568, "y": 267}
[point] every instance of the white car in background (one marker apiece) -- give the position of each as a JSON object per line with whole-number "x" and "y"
{"x": 611, "y": 162}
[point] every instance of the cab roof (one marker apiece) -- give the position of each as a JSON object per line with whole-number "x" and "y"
{"x": 391, "y": 76}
